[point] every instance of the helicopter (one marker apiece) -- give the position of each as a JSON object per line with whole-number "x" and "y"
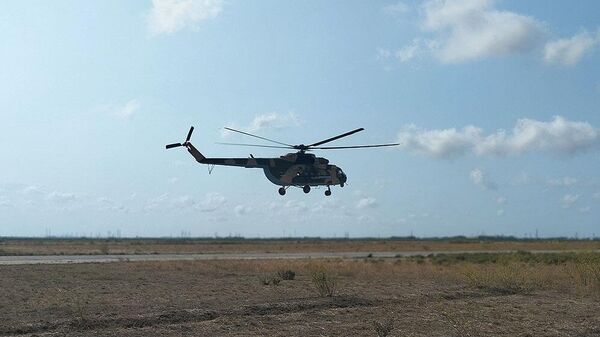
{"x": 299, "y": 169}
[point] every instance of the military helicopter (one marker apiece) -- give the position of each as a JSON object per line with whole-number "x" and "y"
{"x": 300, "y": 169}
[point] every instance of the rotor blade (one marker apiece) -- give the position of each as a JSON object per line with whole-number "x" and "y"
{"x": 336, "y": 137}
{"x": 173, "y": 145}
{"x": 259, "y": 137}
{"x": 189, "y": 135}
{"x": 352, "y": 147}
{"x": 256, "y": 145}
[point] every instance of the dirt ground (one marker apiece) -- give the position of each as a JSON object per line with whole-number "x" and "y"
{"x": 228, "y": 298}
{"x": 199, "y": 246}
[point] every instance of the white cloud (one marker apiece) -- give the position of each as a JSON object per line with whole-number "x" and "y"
{"x": 384, "y": 54}
{"x": 445, "y": 143}
{"x": 127, "y": 110}
{"x": 562, "y": 182}
{"x": 212, "y": 202}
{"x": 585, "y": 209}
{"x": 397, "y": 9}
{"x": 409, "y": 52}
{"x": 558, "y": 136}
{"x": 268, "y": 121}
{"x": 501, "y": 200}
{"x": 242, "y": 209}
{"x": 166, "y": 201}
{"x": 170, "y": 16}
{"x": 474, "y": 29}
{"x": 4, "y": 202}
{"x": 60, "y": 197}
{"x": 569, "y": 200}
{"x": 570, "y": 51}
{"x": 368, "y": 202}
{"x": 480, "y": 178}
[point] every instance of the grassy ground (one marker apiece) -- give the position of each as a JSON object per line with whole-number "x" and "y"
{"x": 470, "y": 295}
{"x": 183, "y": 246}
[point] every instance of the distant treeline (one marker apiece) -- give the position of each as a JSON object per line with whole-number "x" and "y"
{"x": 450, "y": 239}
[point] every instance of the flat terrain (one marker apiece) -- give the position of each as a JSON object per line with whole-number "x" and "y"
{"x": 517, "y": 294}
{"x": 207, "y": 246}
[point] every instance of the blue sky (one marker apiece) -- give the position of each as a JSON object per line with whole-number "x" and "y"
{"x": 495, "y": 104}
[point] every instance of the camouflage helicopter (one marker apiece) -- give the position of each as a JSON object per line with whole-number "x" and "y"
{"x": 300, "y": 169}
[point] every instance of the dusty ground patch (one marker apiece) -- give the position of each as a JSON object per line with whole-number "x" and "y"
{"x": 227, "y": 298}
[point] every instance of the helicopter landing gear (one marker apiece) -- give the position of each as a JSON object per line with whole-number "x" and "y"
{"x": 342, "y": 185}
{"x": 306, "y": 188}
{"x": 281, "y": 191}
{"x": 328, "y": 192}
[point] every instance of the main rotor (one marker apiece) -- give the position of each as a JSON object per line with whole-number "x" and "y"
{"x": 302, "y": 148}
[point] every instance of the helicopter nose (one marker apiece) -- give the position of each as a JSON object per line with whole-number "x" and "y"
{"x": 343, "y": 178}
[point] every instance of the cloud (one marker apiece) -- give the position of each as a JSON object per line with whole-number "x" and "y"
{"x": 384, "y": 54}
{"x": 562, "y": 182}
{"x": 170, "y": 16}
{"x": 4, "y": 201}
{"x": 501, "y": 200}
{"x": 570, "y": 51}
{"x": 569, "y": 200}
{"x": 558, "y": 136}
{"x": 409, "y": 52}
{"x": 480, "y": 178}
{"x": 397, "y": 9}
{"x": 585, "y": 209}
{"x": 474, "y": 29}
{"x": 445, "y": 143}
{"x": 267, "y": 121}
{"x": 242, "y": 209}
{"x": 61, "y": 197}
{"x": 128, "y": 110}
{"x": 368, "y": 202}
{"x": 212, "y": 202}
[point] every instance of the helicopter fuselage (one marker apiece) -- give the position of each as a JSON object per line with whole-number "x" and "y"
{"x": 292, "y": 169}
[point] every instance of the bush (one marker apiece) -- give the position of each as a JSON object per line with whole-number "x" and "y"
{"x": 324, "y": 283}
{"x": 514, "y": 278}
{"x": 587, "y": 273}
{"x": 286, "y": 274}
{"x": 384, "y": 328}
{"x": 267, "y": 279}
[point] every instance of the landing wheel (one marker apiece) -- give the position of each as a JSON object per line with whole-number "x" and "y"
{"x": 342, "y": 185}
{"x": 306, "y": 188}
{"x": 281, "y": 191}
{"x": 328, "y": 192}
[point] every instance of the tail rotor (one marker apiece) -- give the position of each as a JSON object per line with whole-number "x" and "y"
{"x": 187, "y": 139}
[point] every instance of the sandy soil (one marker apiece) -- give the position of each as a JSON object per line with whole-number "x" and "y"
{"x": 226, "y": 298}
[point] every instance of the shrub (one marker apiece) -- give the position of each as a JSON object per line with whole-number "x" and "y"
{"x": 587, "y": 273}
{"x": 264, "y": 279}
{"x": 514, "y": 278}
{"x": 384, "y": 328}
{"x": 324, "y": 283}
{"x": 286, "y": 274}
{"x": 267, "y": 279}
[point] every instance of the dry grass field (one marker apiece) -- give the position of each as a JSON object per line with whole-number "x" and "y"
{"x": 188, "y": 246}
{"x": 496, "y": 294}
